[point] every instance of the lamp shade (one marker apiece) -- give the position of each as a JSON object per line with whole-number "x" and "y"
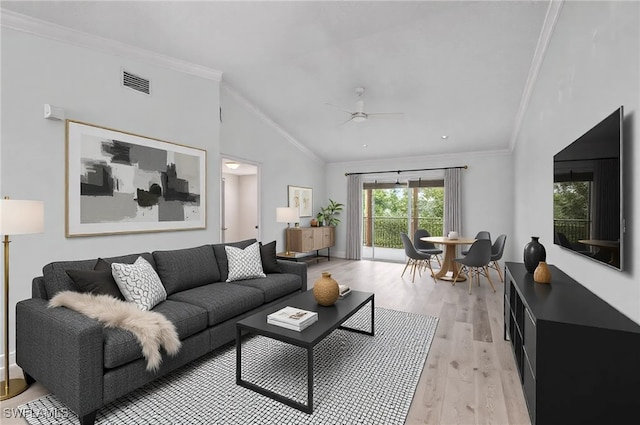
{"x": 21, "y": 217}
{"x": 287, "y": 215}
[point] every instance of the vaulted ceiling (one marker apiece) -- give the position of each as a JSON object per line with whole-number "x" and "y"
{"x": 453, "y": 68}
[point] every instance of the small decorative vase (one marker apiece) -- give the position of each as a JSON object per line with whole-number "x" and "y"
{"x": 313, "y": 222}
{"x": 326, "y": 290}
{"x": 542, "y": 274}
{"x": 534, "y": 252}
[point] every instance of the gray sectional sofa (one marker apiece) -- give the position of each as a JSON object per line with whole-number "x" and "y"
{"x": 87, "y": 365}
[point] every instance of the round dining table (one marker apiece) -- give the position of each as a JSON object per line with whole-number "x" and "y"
{"x": 612, "y": 248}
{"x": 448, "y": 265}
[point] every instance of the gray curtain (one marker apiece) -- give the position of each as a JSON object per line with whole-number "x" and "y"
{"x": 453, "y": 201}
{"x": 354, "y": 222}
{"x": 606, "y": 196}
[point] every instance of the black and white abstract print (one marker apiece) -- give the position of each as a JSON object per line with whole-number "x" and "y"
{"x": 128, "y": 179}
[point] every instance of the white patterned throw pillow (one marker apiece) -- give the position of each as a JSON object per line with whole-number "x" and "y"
{"x": 244, "y": 263}
{"x": 139, "y": 283}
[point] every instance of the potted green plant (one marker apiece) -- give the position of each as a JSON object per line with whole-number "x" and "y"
{"x": 327, "y": 215}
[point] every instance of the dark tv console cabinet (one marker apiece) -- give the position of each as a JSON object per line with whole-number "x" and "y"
{"x": 578, "y": 357}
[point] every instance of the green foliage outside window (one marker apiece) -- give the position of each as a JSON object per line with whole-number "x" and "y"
{"x": 571, "y": 201}
{"x": 571, "y": 209}
{"x": 391, "y": 213}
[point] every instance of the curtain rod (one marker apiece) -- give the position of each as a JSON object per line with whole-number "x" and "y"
{"x": 406, "y": 171}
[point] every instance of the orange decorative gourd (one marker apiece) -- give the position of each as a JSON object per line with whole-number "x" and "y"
{"x": 542, "y": 274}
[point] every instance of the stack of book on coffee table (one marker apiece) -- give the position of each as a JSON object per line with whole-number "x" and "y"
{"x": 293, "y": 318}
{"x": 344, "y": 291}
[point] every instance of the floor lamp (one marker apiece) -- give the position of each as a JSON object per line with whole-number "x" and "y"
{"x": 287, "y": 215}
{"x": 16, "y": 218}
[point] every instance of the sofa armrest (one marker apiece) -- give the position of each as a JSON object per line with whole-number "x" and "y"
{"x": 38, "y": 288}
{"x": 296, "y": 268}
{"x": 63, "y": 350}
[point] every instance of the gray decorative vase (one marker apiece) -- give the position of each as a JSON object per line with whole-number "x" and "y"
{"x": 534, "y": 252}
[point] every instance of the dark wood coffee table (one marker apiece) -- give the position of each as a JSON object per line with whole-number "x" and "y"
{"x": 329, "y": 319}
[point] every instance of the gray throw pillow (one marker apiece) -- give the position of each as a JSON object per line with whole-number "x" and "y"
{"x": 98, "y": 281}
{"x": 269, "y": 259}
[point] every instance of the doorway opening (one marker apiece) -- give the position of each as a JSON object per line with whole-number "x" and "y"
{"x": 239, "y": 200}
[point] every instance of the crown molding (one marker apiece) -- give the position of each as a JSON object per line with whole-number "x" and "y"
{"x": 422, "y": 160}
{"x": 40, "y": 28}
{"x": 548, "y": 26}
{"x": 264, "y": 117}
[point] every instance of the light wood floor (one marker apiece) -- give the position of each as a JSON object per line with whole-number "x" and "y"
{"x": 469, "y": 376}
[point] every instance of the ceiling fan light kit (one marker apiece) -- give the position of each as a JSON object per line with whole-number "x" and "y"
{"x": 358, "y": 117}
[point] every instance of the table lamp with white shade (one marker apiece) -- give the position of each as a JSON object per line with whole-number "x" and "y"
{"x": 16, "y": 218}
{"x": 287, "y": 215}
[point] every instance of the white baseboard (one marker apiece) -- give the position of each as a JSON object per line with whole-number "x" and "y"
{"x": 13, "y": 367}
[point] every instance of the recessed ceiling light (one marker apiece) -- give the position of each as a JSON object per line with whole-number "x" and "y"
{"x": 444, "y": 137}
{"x": 365, "y": 146}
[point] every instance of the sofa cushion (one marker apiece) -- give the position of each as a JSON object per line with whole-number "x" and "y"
{"x": 97, "y": 281}
{"x": 221, "y": 256}
{"x": 188, "y": 319}
{"x": 139, "y": 283}
{"x": 182, "y": 269}
{"x": 269, "y": 258}
{"x": 56, "y": 278}
{"x": 121, "y": 346}
{"x": 274, "y": 285}
{"x": 221, "y": 300}
{"x": 244, "y": 263}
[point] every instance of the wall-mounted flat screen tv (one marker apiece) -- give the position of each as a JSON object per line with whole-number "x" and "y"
{"x": 587, "y": 193}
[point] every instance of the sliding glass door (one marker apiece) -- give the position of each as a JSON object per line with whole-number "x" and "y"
{"x": 385, "y": 215}
{"x": 402, "y": 206}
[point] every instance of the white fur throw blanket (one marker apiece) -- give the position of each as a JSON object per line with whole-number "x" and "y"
{"x": 151, "y": 328}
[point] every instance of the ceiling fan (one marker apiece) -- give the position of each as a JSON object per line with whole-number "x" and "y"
{"x": 359, "y": 115}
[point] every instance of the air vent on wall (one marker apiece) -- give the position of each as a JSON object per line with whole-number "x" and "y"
{"x": 135, "y": 82}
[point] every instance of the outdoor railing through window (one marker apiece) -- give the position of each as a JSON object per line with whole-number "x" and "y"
{"x": 574, "y": 230}
{"x": 386, "y": 230}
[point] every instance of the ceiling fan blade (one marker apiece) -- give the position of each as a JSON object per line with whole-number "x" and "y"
{"x": 344, "y": 122}
{"x": 339, "y": 107}
{"x": 385, "y": 114}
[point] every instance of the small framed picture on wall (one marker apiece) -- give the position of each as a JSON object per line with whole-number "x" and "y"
{"x": 301, "y": 198}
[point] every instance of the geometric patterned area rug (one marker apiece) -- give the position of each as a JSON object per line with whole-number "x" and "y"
{"x": 357, "y": 379}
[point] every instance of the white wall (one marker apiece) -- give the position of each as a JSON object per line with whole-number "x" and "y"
{"x": 487, "y": 194}
{"x": 247, "y": 134}
{"x": 35, "y": 70}
{"x": 591, "y": 67}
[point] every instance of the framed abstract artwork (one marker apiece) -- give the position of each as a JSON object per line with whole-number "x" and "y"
{"x": 120, "y": 182}
{"x": 302, "y": 198}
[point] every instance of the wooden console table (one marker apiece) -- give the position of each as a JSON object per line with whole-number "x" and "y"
{"x": 576, "y": 355}
{"x": 303, "y": 241}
